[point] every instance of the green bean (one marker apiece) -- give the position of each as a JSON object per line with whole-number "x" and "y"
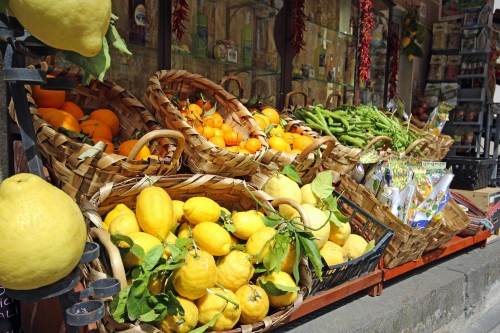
{"x": 355, "y": 141}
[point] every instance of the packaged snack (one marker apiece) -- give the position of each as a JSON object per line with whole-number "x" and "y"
{"x": 449, "y": 93}
{"x": 407, "y": 195}
{"x": 452, "y": 67}
{"x": 434, "y": 171}
{"x": 464, "y": 65}
{"x": 454, "y": 36}
{"x": 483, "y": 15}
{"x": 469, "y": 39}
{"x": 439, "y": 32}
{"x": 437, "y": 68}
{"x": 438, "y": 118}
{"x": 471, "y": 16}
{"x": 431, "y": 94}
{"x": 373, "y": 178}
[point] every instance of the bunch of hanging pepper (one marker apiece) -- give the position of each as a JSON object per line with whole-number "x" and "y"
{"x": 178, "y": 17}
{"x": 394, "y": 45}
{"x": 366, "y": 26}
{"x": 298, "y": 26}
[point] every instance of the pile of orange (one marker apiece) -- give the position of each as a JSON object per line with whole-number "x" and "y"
{"x": 268, "y": 120}
{"x": 100, "y": 125}
{"x": 210, "y": 124}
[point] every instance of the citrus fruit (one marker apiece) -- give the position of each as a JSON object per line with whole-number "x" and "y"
{"x": 110, "y": 149}
{"x": 339, "y": 235}
{"x": 234, "y": 240}
{"x": 126, "y": 147}
{"x": 73, "y": 110}
{"x": 288, "y": 138}
{"x": 42, "y": 111}
{"x": 201, "y": 209}
{"x": 246, "y": 223}
{"x": 155, "y": 286}
{"x": 108, "y": 118}
{"x": 177, "y": 204}
{"x": 170, "y": 239}
{"x": 118, "y": 210}
{"x": 232, "y": 138}
{"x": 279, "y": 144}
{"x": 318, "y": 219}
{"x": 144, "y": 240}
{"x": 208, "y": 105}
{"x": 259, "y": 243}
{"x": 178, "y": 323}
{"x": 155, "y": 211}
{"x": 43, "y": 233}
{"x": 283, "y": 279}
{"x": 48, "y": 98}
{"x": 277, "y": 131}
{"x": 253, "y": 145}
{"x": 66, "y": 26}
{"x": 58, "y": 118}
{"x": 124, "y": 224}
{"x": 302, "y": 142}
{"x": 195, "y": 109}
{"x": 183, "y": 231}
{"x": 261, "y": 120}
{"x": 226, "y": 128}
{"x": 355, "y": 246}
{"x": 333, "y": 253}
{"x": 308, "y": 196}
{"x": 218, "y": 133}
{"x": 96, "y": 128}
{"x": 208, "y": 132}
{"x": 280, "y": 186}
{"x": 272, "y": 115}
{"x": 287, "y": 264}
{"x": 218, "y": 141}
{"x": 191, "y": 281}
{"x": 234, "y": 270}
{"x": 212, "y": 238}
{"x": 211, "y": 304}
{"x": 254, "y": 303}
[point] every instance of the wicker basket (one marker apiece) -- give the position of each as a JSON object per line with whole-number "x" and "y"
{"x": 203, "y": 156}
{"x": 81, "y": 179}
{"x": 341, "y": 159}
{"x": 408, "y": 243}
{"x": 230, "y": 193}
{"x": 478, "y": 219}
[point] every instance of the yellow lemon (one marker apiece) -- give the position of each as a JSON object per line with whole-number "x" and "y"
{"x": 178, "y": 210}
{"x": 254, "y": 303}
{"x": 171, "y": 238}
{"x": 355, "y": 246}
{"x": 211, "y": 304}
{"x": 246, "y": 223}
{"x": 201, "y": 209}
{"x": 308, "y": 196}
{"x": 333, "y": 253}
{"x": 280, "y": 186}
{"x": 283, "y": 279}
{"x": 118, "y": 210}
{"x": 212, "y": 238}
{"x": 155, "y": 286}
{"x": 339, "y": 235}
{"x": 155, "y": 211}
{"x": 184, "y": 230}
{"x": 287, "y": 264}
{"x": 124, "y": 224}
{"x": 234, "y": 270}
{"x": 178, "y": 323}
{"x": 191, "y": 281}
{"x": 260, "y": 243}
{"x": 144, "y": 240}
{"x": 318, "y": 220}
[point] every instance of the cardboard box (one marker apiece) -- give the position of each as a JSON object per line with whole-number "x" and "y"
{"x": 488, "y": 200}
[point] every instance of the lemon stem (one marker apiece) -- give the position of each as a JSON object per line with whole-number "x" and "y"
{"x": 224, "y": 297}
{"x": 254, "y": 297}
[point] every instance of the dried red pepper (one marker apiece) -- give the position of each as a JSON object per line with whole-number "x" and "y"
{"x": 366, "y": 25}
{"x": 394, "y": 44}
{"x": 298, "y": 26}
{"x": 178, "y": 17}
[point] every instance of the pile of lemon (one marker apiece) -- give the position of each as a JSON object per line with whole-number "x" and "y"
{"x": 214, "y": 267}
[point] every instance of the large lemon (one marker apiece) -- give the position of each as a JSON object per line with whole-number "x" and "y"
{"x": 318, "y": 220}
{"x": 234, "y": 270}
{"x": 283, "y": 279}
{"x": 201, "y": 209}
{"x": 289, "y": 261}
{"x": 280, "y": 186}
{"x": 42, "y": 233}
{"x": 308, "y": 196}
{"x": 72, "y": 25}
{"x": 144, "y": 240}
{"x": 246, "y": 223}
{"x": 259, "y": 244}
{"x": 333, "y": 253}
{"x": 118, "y": 210}
{"x": 185, "y": 230}
{"x": 339, "y": 235}
{"x": 124, "y": 224}
{"x": 178, "y": 323}
{"x": 254, "y": 303}
{"x": 155, "y": 212}
{"x": 191, "y": 281}
{"x": 212, "y": 238}
{"x": 171, "y": 238}
{"x": 355, "y": 246}
{"x": 211, "y": 304}
{"x": 178, "y": 210}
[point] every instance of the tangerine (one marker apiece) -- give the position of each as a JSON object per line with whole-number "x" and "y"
{"x": 58, "y": 118}
{"x": 73, "y": 110}
{"x": 261, "y": 120}
{"x": 272, "y": 115}
{"x": 253, "y": 145}
{"x": 279, "y": 144}
{"x": 302, "y": 142}
{"x": 226, "y": 128}
{"x": 218, "y": 141}
{"x": 108, "y": 118}
{"x": 96, "y": 128}
{"x": 208, "y": 105}
{"x": 48, "y": 98}
{"x": 208, "y": 132}
{"x": 110, "y": 149}
{"x": 126, "y": 147}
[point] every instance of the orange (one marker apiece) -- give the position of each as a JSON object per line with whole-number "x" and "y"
{"x": 195, "y": 109}
{"x": 108, "y": 118}
{"x": 96, "y": 128}
{"x": 226, "y": 128}
{"x": 295, "y": 135}
{"x": 110, "y": 149}
{"x": 208, "y": 105}
{"x": 277, "y": 130}
{"x": 42, "y": 111}
{"x": 127, "y": 146}
{"x": 169, "y": 96}
{"x": 242, "y": 144}
{"x": 218, "y": 121}
{"x": 218, "y": 141}
{"x": 244, "y": 151}
{"x": 253, "y": 145}
{"x": 48, "y": 98}
{"x": 208, "y": 121}
{"x": 279, "y": 144}
{"x": 272, "y": 114}
{"x": 234, "y": 149}
{"x": 232, "y": 138}
{"x": 295, "y": 151}
{"x": 208, "y": 132}
{"x": 199, "y": 128}
{"x": 73, "y": 110}
{"x": 218, "y": 132}
{"x": 261, "y": 120}
{"x": 58, "y": 118}
{"x": 182, "y": 103}
{"x": 302, "y": 142}
{"x": 288, "y": 137}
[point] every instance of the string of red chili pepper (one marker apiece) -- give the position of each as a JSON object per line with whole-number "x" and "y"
{"x": 298, "y": 26}
{"x": 366, "y": 26}
{"x": 394, "y": 45}
{"x": 178, "y": 17}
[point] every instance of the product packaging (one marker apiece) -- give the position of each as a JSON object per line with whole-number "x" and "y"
{"x": 469, "y": 40}
{"x": 437, "y": 68}
{"x": 471, "y": 16}
{"x": 454, "y": 36}
{"x": 438, "y": 118}
{"x": 431, "y": 94}
{"x": 449, "y": 93}
{"x": 439, "y": 33}
{"x": 452, "y": 67}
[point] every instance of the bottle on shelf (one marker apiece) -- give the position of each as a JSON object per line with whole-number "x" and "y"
{"x": 331, "y": 70}
{"x": 320, "y": 59}
{"x": 247, "y": 41}
{"x": 200, "y": 32}
{"x": 319, "y": 17}
{"x": 137, "y": 22}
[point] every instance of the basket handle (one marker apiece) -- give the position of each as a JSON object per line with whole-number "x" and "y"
{"x": 329, "y": 140}
{"x": 413, "y": 145}
{"x": 295, "y": 205}
{"x": 233, "y": 78}
{"x": 114, "y": 255}
{"x": 164, "y": 133}
{"x": 329, "y": 100}
{"x": 294, "y": 92}
{"x": 376, "y": 139}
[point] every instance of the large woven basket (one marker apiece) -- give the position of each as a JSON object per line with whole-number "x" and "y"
{"x": 408, "y": 243}
{"x": 341, "y": 159}
{"x": 80, "y": 179}
{"x": 229, "y": 193}
{"x": 203, "y": 156}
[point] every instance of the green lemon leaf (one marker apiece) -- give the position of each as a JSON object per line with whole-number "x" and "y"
{"x": 169, "y": 267}
{"x": 298, "y": 255}
{"x": 182, "y": 242}
{"x": 3, "y": 6}
{"x": 95, "y": 66}
{"x": 271, "y": 221}
{"x": 211, "y": 323}
{"x": 283, "y": 122}
{"x": 322, "y": 184}
{"x": 268, "y": 128}
{"x": 134, "y": 248}
{"x": 229, "y": 227}
{"x": 259, "y": 268}
{"x": 312, "y": 252}
{"x": 118, "y": 307}
{"x": 290, "y": 171}
{"x": 341, "y": 217}
{"x": 137, "y": 302}
{"x": 152, "y": 256}
{"x": 333, "y": 218}
{"x": 149, "y": 316}
{"x": 275, "y": 289}
{"x": 370, "y": 246}
{"x": 253, "y": 100}
{"x": 171, "y": 303}
{"x": 113, "y": 38}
